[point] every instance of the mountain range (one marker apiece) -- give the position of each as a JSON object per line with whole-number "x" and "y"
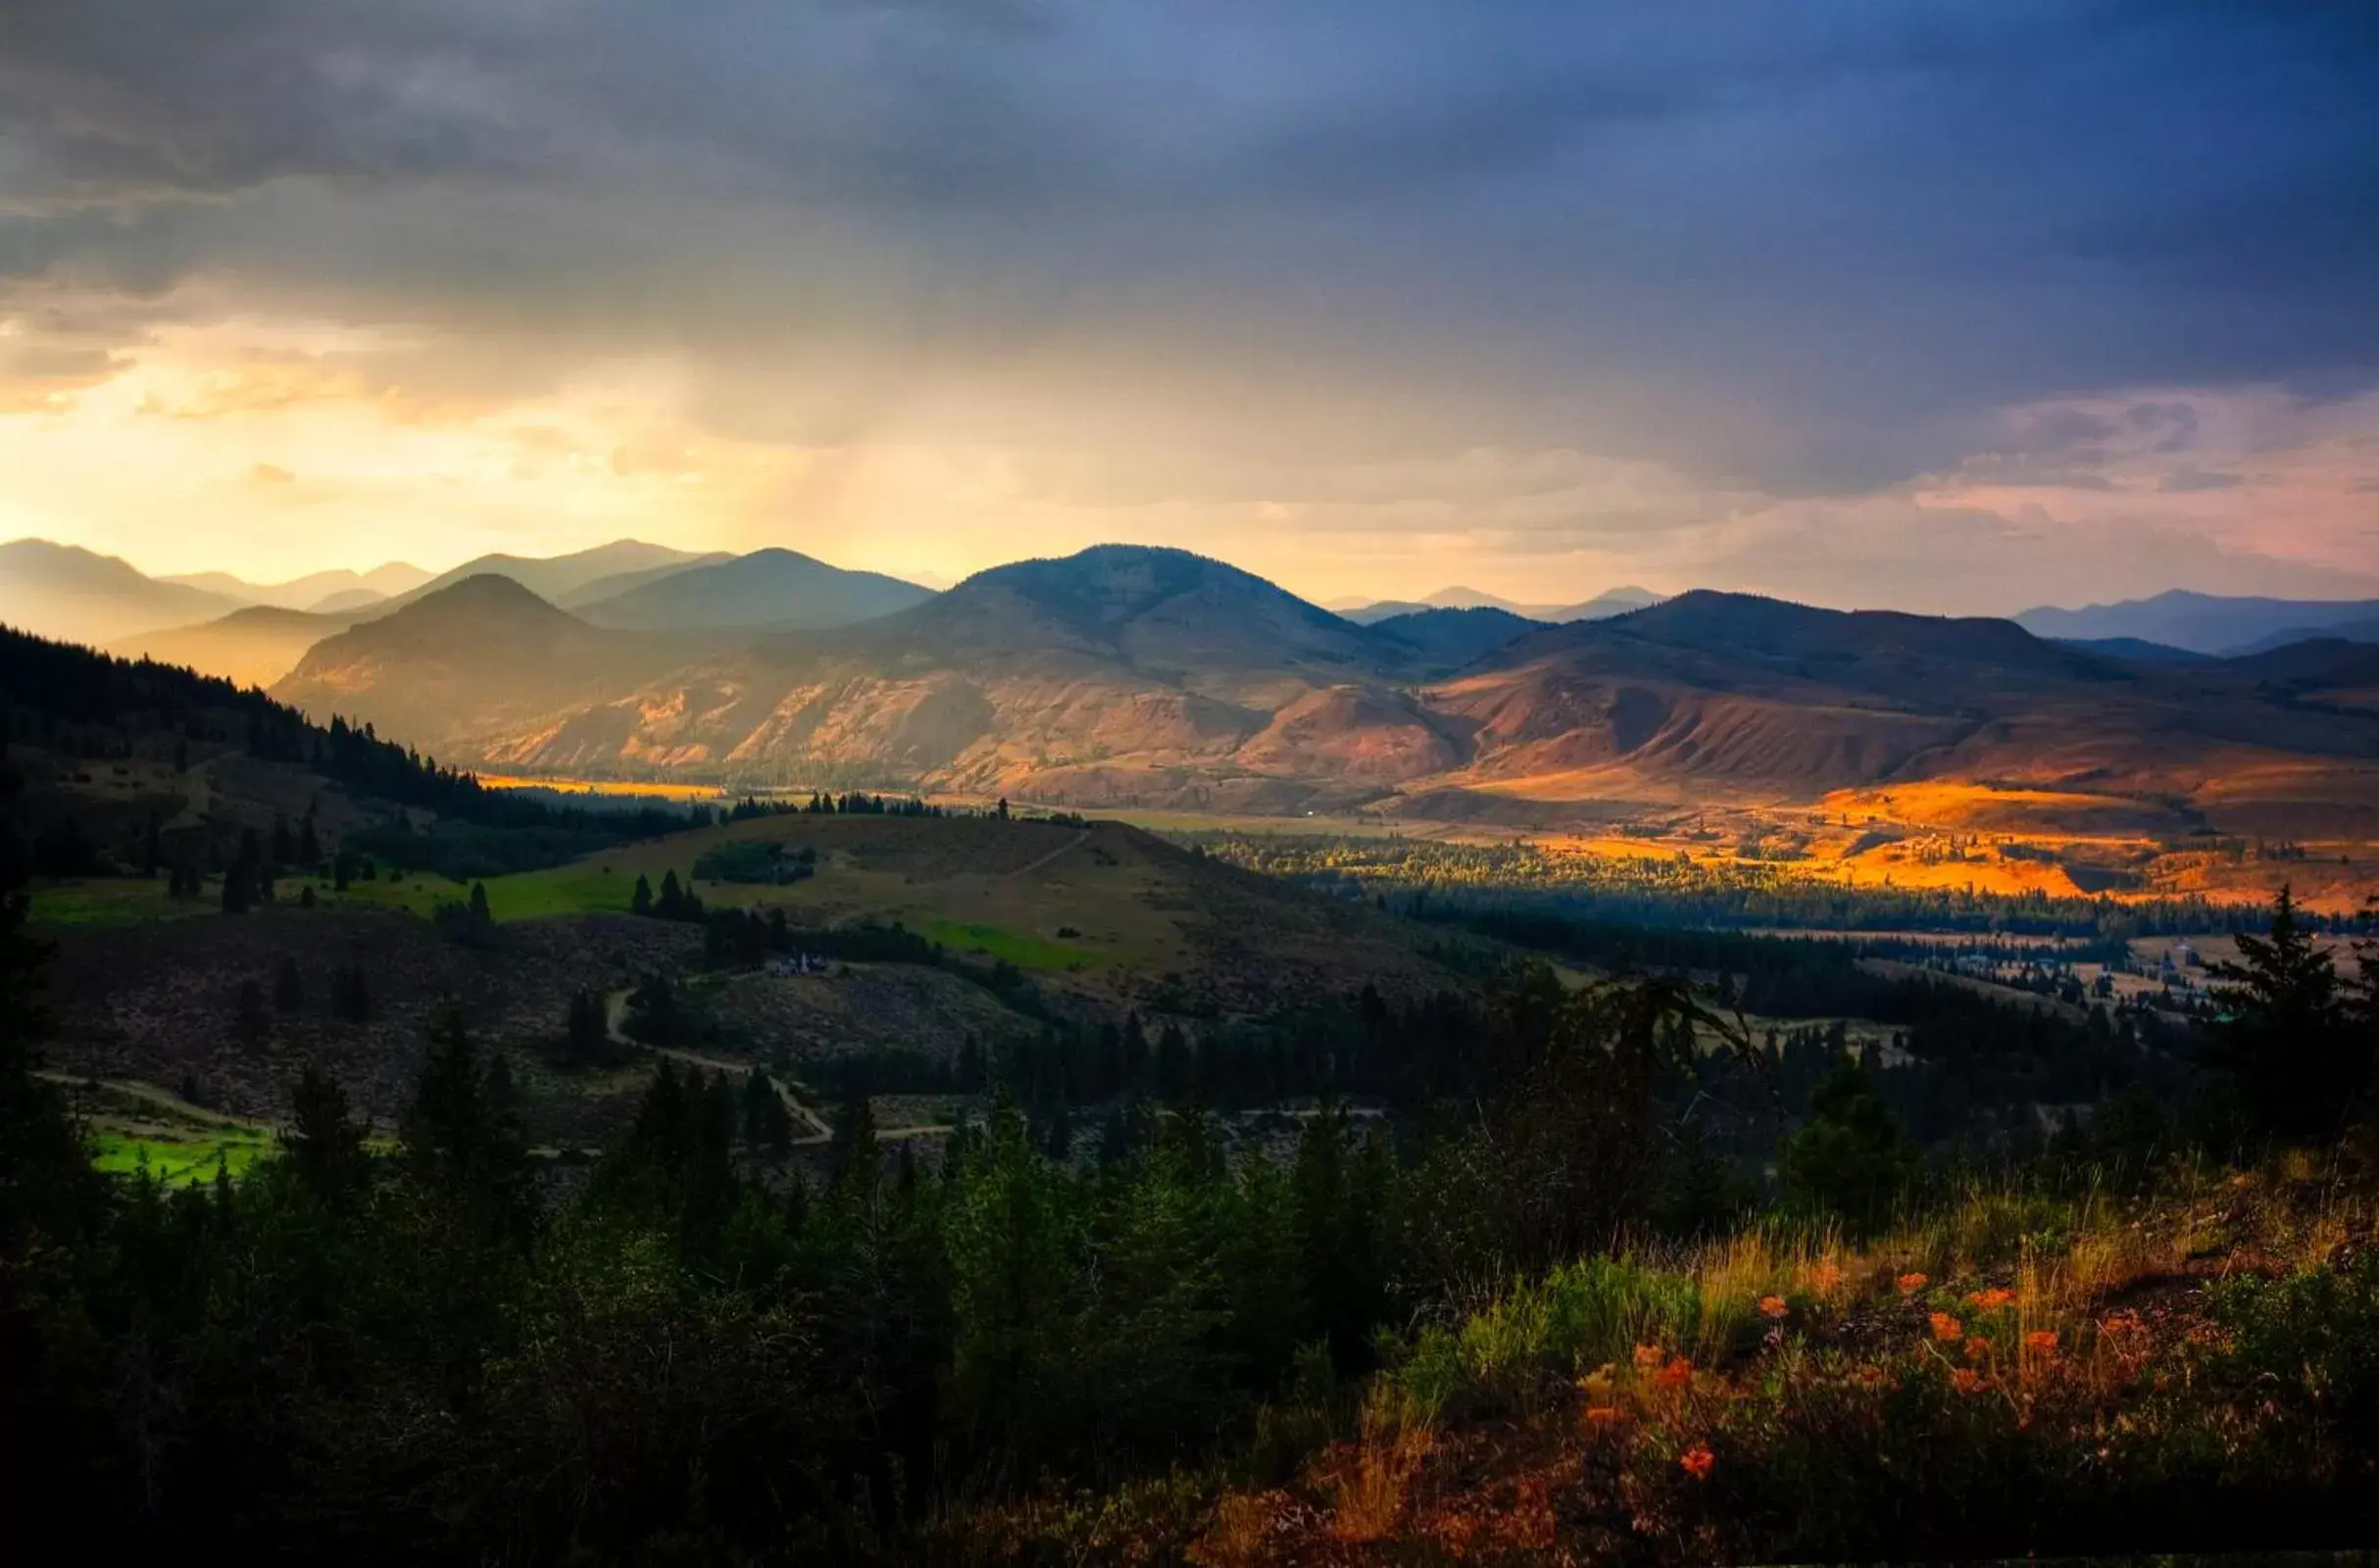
{"x": 321, "y": 591}
{"x": 1125, "y": 675}
{"x": 626, "y": 585}
{"x": 1610, "y": 602}
{"x": 2209, "y": 624}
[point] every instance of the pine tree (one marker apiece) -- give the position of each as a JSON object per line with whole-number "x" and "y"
{"x": 2287, "y": 1040}
{"x": 458, "y": 1142}
{"x": 851, "y": 1159}
{"x": 641, "y": 901}
{"x": 325, "y": 1146}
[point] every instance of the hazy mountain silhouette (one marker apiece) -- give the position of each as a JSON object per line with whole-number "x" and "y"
{"x": 2363, "y": 630}
{"x": 352, "y": 589}
{"x": 254, "y": 647}
{"x": 66, "y": 591}
{"x": 777, "y": 589}
{"x": 2136, "y": 650}
{"x": 2204, "y": 623}
{"x": 1610, "y": 602}
{"x": 469, "y": 660}
{"x": 556, "y": 578}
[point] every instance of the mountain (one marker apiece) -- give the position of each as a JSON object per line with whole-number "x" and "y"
{"x": 474, "y": 658}
{"x": 351, "y": 599}
{"x": 1453, "y": 638}
{"x": 1119, "y": 673}
{"x": 2201, "y": 623}
{"x": 1710, "y": 695}
{"x": 2135, "y": 650}
{"x": 65, "y": 591}
{"x": 252, "y": 647}
{"x": 780, "y": 589}
{"x": 1130, "y": 676}
{"x": 352, "y": 589}
{"x": 2350, "y": 631}
{"x": 554, "y": 578}
{"x": 1610, "y": 602}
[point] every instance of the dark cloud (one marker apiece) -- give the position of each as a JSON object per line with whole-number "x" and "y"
{"x": 1808, "y": 248}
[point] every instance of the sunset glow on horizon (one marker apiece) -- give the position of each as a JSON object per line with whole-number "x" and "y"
{"x": 924, "y": 289}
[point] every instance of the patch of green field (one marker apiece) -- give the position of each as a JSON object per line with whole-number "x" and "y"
{"x": 579, "y": 888}
{"x": 180, "y": 1156}
{"x": 1026, "y": 951}
{"x": 110, "y": 901}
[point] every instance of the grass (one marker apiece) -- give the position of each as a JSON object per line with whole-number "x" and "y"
{"x": 179, "y": 1157}
{"x": 1026, "y": 951}
{"x": 110, "y": 901}
{"x": 1781, "y": 1391}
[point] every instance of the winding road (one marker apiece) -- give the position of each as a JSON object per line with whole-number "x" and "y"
{"x": 788, "y": 1090}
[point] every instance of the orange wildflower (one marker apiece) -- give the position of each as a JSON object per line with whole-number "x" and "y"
{"x": 1679, "y": 1373}
{"x": 1966, "y": 1380}
{"x": 1911, "y": 1283}
{"x": 1825, "y": 1277}
{"x": 1978, "y": 1348}
{"x": 1946, "y": 1327}
{"x": 1697, "y": 1460}
{"x": 1990, "y": 1301}
{"x": 2042, "y": 1339}
{"x": 1772, "y": 1306}
{"x": 1649, "y": 1357}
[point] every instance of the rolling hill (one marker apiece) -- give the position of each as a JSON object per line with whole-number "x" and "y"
{"x": 2365, "y": 630}
{"x": 776, "y": 589}
{"x": 252, "y": 647}
{"x": 1453, "y": 638}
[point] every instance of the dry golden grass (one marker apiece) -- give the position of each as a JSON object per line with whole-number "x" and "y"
{"x": 1367, "y": 1481}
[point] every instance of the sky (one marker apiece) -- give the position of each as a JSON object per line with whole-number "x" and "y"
{"x": 1950, "y": 306}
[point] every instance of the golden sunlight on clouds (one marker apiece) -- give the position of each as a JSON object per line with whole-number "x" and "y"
{"x": 273, "y": 446}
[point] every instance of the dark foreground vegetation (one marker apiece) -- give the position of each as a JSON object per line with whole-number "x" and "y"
{"x": 1536, "y": 1270}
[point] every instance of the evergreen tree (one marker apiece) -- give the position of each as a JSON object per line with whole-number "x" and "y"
{"x": 641, "y": 901}
{"x": 460, "y": 1143}
{"x": 2286, "y": 1041}
{"x": 1847, "y": 1159}
{"x": 325, "y": 1146}
{"x": 851, "y": 1157}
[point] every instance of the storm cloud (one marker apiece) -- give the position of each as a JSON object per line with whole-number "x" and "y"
{"x": 1209, "y": 255}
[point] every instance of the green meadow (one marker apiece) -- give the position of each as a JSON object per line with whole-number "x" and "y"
{"x": 179, "y": 1157}
{"x": 1026, "y": 951}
